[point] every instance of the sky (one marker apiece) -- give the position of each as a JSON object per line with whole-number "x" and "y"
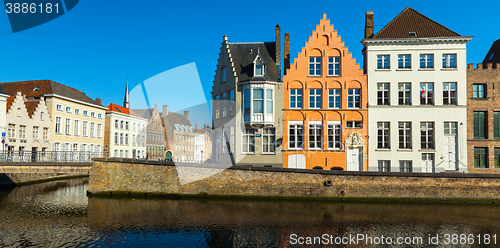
{"x": 97, "y": 45}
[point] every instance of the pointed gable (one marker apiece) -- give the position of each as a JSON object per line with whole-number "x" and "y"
{"x": 409, "y": 20}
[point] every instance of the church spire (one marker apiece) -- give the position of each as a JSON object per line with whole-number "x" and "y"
{"x": 126, "y": 103}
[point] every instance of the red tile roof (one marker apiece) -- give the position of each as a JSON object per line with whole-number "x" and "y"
{"x": 119, "y": 109}
{"x": 409, "y": 20}
{"x": 10, "y": 100}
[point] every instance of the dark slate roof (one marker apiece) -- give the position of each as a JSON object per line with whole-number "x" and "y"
{"x": 493, "y": 55}
{"x": 175, "y": 118}
{"x": 409, "y": 20}
{"x": 38, "y": 88}
{"x": 1, "y": 90}
{"x": 145, "y": 113}
{"x": 244, "y": 54}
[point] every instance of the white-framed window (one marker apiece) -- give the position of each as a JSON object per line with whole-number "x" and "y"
{"x": 76, "y": 127}
{"x": 353, "y": 98}
{"x": 450, "y": 60}
{"x": 126, "y": 139}
{"x": 315, "y": 98}
{"x": 99, "y": 130}
{"x": 334, "y": 98}
{"x": 126, "y": 125}
{"x": 217, "y": 107}
{"x": 35, "y": 132}
{"x": 334, "y": 138}
{"x": 56, "y": 146}
{"x": 383, "y": 93}
{"x": 426, "y": 61}
{"x": 259, "y": 68}
{"x": 404, "y": 61}
{"x": 260, "y": 100}
{"x": 224, "y": 98}
{"x": 22, "y": 132}
{"x": 449, "y": 90}
{"x": 116, "y": 153}
{"x": 133, "y": 139}
{"x": 404, "y": 135}
{"x": 133, "y": 127}
{"x": 383, "y": 130}
{"x": 121, "y": 139}
{"x": 92, "y": 114}
{"x": 405, "y": 166}
{"x": 12, "y": 131}
{"x": 354, "y": 124}
{"x": 383, "y": 62}
{"x": 85, "y": 113}
{"x": 92, "y": 129}
{"x": 333, "y": 66}
{"x": 75, "y": 147}
{"x": 67, "y": 126}
{"x": 45, "y": 133}
{"x": 314, "y": 66}
{"x": 121, "y": 124}
{"x": 100, "y": 117}
{"x": 68, "y": 109}
{"x": 116, "y": 138}
{"x": 315, "y": 135}
{"x": 58, "y": 107}
{"x": 426, "y": 93}
{"x": 427, "y": 135}
{"x": 85, "y": 128}
{"x": 268, "y": 139}
{"x": 77, "y": 111}
{"x": 117, "y": 125}
{"x": 248, "y": 143}
{"x": 450, "y": 128}
{"x": 296, "y": 135}
{"x": 296, "y": 98}
{"x": 57, "y": 130}
{"x": 404, "y": 93}
{"x": 384, "y": 166}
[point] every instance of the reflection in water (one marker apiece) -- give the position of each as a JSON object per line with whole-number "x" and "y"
{"x": 59, "y": 214}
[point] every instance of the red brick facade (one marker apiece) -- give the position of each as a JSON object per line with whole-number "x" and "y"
{"x": 489, "y": 76}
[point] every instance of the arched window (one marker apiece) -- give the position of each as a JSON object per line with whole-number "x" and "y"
{"x": 41, "y": 116}
{"x": 18, "y": 112}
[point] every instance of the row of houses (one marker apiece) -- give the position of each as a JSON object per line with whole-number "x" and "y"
{"x": 43, "y": 120}
{"x": 414, "y": 106}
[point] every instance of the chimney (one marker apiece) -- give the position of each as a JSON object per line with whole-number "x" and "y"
{"x": 369, "y": 26}
{"x": 186, "y": 113}
{"x": 196, "y": 126}
{"x": 165, "y": 110}
{"x": 287, "y": 53}
{"x": 278, "y": 48}
{"x": 99, "y": 101}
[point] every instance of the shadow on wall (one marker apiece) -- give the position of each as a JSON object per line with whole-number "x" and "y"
{"x": 6, "y": 182}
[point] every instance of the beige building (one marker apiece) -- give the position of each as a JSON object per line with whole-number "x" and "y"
{"x": 77, "y": 120}
{"x": 155, "y": 136}
{"x": 3, "y": 111}
{"x": 179, "y": 134}
{"x": 28, "y": 128}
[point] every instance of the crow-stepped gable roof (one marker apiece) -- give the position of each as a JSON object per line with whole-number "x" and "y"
{"x": 411, "y": 21}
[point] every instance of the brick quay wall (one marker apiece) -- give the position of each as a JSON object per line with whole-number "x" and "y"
{"x": 135, "y": 177}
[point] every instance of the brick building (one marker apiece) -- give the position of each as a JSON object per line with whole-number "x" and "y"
{"x": 324, "y": 105}
{"x": 483, "y": 118}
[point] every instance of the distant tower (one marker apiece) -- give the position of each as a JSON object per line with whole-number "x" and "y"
{"x": 126, "y": 104}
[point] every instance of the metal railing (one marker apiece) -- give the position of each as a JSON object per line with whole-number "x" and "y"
{"x": 40, "y": 156}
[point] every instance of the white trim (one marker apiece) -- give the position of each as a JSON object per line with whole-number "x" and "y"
{"x": 333, "y": 122}
{"x": 316, "y": 123}
{"x": 74, "y": 100}
{"x": 295, "y": 122}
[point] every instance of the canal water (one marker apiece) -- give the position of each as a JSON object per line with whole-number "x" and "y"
{"x": 59, "y": 214}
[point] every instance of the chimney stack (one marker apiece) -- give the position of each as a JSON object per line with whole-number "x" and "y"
{"x": 278, "y": 48}
{"x": 369, "y": 26}
{"x": 99, "y": 101}
{"x": 287, "y": 53}
{"x": 165, "y": 110}
{"x": 186, "y": 113}
{"x": 196, "y": 126}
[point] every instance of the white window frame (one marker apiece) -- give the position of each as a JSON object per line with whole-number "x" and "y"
{"x": 404, "y": 61}
{"x": 76, "y": 127}
{"x": 248, "y": 138}
{"x": 424, "y": 93}
{"x": 383, "y": 94}
{"x": 334, "y": 135}
{"x": 315, "y": 66}
{"x": 333, "y": 94}
{"x": 296, "y": 130}
{"x": 334, "y": 66}
{"x": 58, "y": 127}
{"x": 448, "y": 58}
{"x": 451, "y": 99}
{"x": 404, "y": 135}
{"x": 315, "y": 131}
{"x": 315, "y": 98}
{"x": 426, "y": 61}
{"x": 351, "y": 98}
{"x": 385, "y": 136}
{"x": 383, "y": 62}
{"x": 404, "y": 93}
{"x": 294, "y": 94}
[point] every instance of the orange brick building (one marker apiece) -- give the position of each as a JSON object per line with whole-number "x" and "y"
{"x": 324, "y": 105}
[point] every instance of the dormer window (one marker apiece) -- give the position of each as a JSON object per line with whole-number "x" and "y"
{"x": 258, "y": 66}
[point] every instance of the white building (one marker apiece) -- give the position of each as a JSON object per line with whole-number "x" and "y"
{"x": 3, "y": 112}
{"x": 417, "y": 107}
{"x": 126, "y": 137}
{"x": 199, "y": 145}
